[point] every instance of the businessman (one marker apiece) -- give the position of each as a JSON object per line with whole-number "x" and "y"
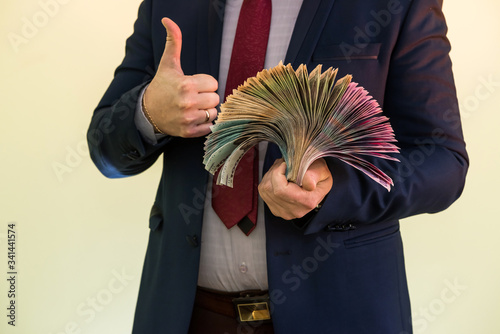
{"x": 326, "y": 257}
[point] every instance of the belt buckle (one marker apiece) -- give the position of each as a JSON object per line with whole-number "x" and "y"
{"x": 253, "y": 309}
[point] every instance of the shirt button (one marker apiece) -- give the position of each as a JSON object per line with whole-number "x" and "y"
{"x": 243, "y": 268}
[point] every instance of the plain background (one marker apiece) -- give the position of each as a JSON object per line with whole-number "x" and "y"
{"x": 81, "y": 238}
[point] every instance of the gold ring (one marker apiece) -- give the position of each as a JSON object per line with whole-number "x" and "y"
{"x": 207, "y": 114}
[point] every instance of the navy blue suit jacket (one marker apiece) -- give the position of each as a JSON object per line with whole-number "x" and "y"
{"x": 341, "y": 270}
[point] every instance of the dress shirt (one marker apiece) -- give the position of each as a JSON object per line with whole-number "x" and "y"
{"x": 230, "y": 260}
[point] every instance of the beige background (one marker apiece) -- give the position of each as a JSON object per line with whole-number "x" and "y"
{"x": 82, "y": 237}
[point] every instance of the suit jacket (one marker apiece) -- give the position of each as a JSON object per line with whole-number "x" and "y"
{"x": 341, "y": 270}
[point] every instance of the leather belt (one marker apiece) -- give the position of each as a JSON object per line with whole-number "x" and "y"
{"x": 245, "y": 306}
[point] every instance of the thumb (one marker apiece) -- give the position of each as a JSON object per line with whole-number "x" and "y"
{"x": 316, "y": 173}
{"x": 309, "y": 181}
{"x": 172, "y": 54}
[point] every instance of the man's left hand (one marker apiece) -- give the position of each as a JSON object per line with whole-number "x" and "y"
{"x": 288, "y": 200}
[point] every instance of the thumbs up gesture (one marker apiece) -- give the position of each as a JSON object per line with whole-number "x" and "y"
{"x": 180, "y": 105}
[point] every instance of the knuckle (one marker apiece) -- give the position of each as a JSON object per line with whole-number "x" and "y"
{"x": 310, "y": 205}
{"x": 184, "y": 123}
{"x": 280, "y": 192}
{"x": 298, "y": 215}
{"x": 184, "y": 103}
{"x": 188, "y": 120}
{"x": 289, "y": 216}
{"x": 276, "y": 212}
{"x": 263, "y": 189}
{"x": 186, "y": 85}
{"x": 187, "y": 132}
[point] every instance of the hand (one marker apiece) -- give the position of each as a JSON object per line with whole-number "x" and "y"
{"x": 288, "y": 200}
{"x": 176, "y": 102}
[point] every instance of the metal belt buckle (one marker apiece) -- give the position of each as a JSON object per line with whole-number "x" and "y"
{"x": 252, "y": 309}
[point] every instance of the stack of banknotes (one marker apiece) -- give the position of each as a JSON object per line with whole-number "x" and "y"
{"x": 308, "y": 116}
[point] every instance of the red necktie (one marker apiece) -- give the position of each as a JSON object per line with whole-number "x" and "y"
{"x": 238, "y": 205}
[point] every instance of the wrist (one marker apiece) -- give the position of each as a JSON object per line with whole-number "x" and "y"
{"x": 148, "y": 115}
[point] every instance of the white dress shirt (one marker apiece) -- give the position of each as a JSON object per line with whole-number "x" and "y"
{"x": 230, "y": 260}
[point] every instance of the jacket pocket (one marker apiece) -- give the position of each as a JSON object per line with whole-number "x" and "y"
{"x": 372, "y": 237}
{"x": 346, "y": 52}
{"x": 155, "y": 217}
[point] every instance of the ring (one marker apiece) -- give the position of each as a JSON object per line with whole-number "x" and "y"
{"x": 208, "y": 115}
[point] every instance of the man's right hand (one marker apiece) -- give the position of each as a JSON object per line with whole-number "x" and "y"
{"x": 176, "y": 102}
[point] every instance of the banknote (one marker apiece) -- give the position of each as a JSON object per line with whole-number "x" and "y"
{"x": 308, "y": 116}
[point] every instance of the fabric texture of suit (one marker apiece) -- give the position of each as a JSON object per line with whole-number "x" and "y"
{"x": 324, "y": 275}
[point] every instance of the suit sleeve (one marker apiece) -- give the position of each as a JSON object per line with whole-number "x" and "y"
{"x": 421, "y": 103}
{"x": 115, "y": 144}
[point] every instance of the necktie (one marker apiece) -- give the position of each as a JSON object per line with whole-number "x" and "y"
{"x": 238, "y": 205}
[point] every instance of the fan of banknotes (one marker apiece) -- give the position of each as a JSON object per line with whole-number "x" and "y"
{"x": 308, "y": 116}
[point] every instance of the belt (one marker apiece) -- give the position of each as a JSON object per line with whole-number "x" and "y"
{"x": 245, "y": 306}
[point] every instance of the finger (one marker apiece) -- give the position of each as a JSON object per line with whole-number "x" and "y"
{"x": 287, "y": 192}
{"x": 278, "y": 178}
{"x": 265, "y": 191}
{"x": 281, "y": 168}
{"x": 207, "y": 116}
{"x": 172, "y": 54}
{"x": 265, "y": 185}
{"x": 205, "y": 83}
{"x": 202, "y": 130}
{"x": 195, "y": 131}
{"x": 213, "y": 115}
{"x": 317, "y": 172}
{"x": 309, "y": 181}
{"x": 278, "y": 163}
{"x": 206, "y": 100}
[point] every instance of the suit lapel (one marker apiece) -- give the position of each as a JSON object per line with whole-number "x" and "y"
{"x": 209, "y": 36}
{"x": 310, "y": 22}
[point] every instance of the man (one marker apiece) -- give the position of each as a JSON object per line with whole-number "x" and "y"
{"x": 329, "y": 253}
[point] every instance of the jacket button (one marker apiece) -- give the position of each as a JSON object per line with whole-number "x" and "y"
{"x": 340, "y": 227}
{"x": 192, "y": 240}
{"x": 350, "y": 227}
